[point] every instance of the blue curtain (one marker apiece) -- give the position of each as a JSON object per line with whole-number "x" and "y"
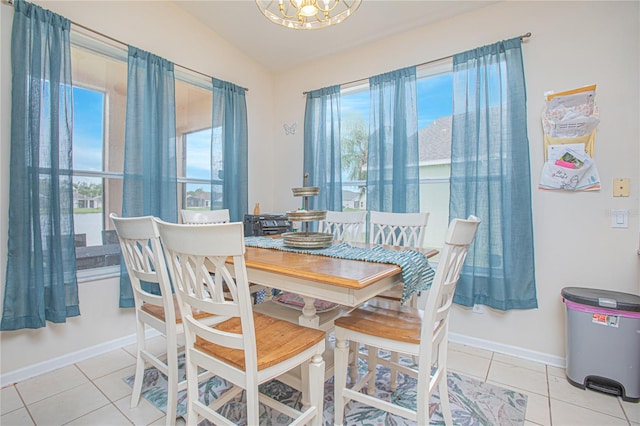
{"x": 150, "y": 183}
{"x": 41, "y": 265}
{"x": 393, "y": 181}
{"x": 230, "y": 114}
{"x": 490, "y": 176}
{"x": 322, "y": 159}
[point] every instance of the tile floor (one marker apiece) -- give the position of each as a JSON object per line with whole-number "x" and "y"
{"x": 92, "y": 392}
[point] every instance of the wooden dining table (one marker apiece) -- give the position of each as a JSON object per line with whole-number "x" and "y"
{"x": 346, "y": 282}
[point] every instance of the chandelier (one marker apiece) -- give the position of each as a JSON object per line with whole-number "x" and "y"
{"x": 307, "y": 14}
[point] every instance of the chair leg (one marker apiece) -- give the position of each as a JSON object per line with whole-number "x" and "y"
{"x": 341, "y": 361}
{"x": 305, "y": 398}
{"x": 139, "y": 374}
{"x": 192, "y": 391}
{"x": 372, "y": 366}
{"x": 393, "y": 377}
{"x": 253, "y": 403}
{"x": 316, "y": 387}
{"x": 354, "y": 351}
{"x": 443, "y": 390}
{"x": 172, "y": 382}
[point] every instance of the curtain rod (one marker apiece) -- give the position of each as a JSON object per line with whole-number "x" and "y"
{"x": 522, "y": 37}
{"x": 10, "y": 2}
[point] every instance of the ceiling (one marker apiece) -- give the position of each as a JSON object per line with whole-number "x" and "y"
{"x": 278, "y": 48}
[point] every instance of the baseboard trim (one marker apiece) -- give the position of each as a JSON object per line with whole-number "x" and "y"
{"x": 33, "y": 370}
{"x": 553, "y": 360}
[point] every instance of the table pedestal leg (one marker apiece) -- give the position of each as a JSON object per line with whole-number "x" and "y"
{"x": 309, "y": 317}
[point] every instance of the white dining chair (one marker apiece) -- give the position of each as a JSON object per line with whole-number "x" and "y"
{"x": 397, "y": 229}
{"x": 142, "y": 252}
{"x": 345, "y": 226}
{"x": 420, "y": 333}
{"x": 243, "y": 347}
{"x": 205, "y": 216}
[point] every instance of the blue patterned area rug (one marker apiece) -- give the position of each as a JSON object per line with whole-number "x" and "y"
{"x": 472, "y": 402}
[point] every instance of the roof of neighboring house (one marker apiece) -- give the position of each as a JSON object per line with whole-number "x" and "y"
{"x": 201, "y": 195}
{"x": 434, "y": 140}
{"x": 349, "y": 195}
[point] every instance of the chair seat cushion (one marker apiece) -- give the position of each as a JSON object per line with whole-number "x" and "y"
{"x": 158, "y": 311}
{"x": 383, "y": 319}
{"x": 276, "y": 341}
{"x": 293, "y": 300}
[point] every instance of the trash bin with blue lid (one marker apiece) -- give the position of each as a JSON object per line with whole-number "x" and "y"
{"x": 603, "y": 341}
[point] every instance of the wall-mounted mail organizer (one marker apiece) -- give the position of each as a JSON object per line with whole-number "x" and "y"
{"x": 569, "y": 122}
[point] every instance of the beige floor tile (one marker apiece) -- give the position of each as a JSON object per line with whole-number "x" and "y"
{"x": 10, "y": 400}
{"x": 145, "y": 413}
{"x": 49, "y": 384}
{"x": 113, "y": 385}
{"x": 519, "y": 377}
{"x": 104, "y": 364}
{"x": 108, "y": 415}
{"x": 467, "y": 364}
{"x": 537, "y": 409}
{"x": 565, "y": 414}
{"x": 561, "y": 389}
{"x": 556, "y": 371}
{"x": 19, "y": 417}
{"x": 68, "y": 405}
{"x": 520, "y": 362}
{"x": 632, "y": 409}
{"x": 483, "y": 353}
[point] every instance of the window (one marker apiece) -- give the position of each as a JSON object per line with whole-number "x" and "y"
{"x": 435, "y": 89}
{"x": 100, "y": 88}
{"x": 100, "y": 94}
{"x": 194, "y": 128}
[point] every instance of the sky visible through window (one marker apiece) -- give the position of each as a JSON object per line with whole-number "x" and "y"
{"x": 88, "y": 129}
{"x": 434, "y": 100}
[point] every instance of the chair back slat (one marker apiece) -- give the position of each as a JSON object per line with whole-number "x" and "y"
{"x": 204, "y": 280}
{"x": 398, "y": 229}
{"x": 345, "y": 226}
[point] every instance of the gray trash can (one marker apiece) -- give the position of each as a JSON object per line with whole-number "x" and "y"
{"x": 603, "y": 341}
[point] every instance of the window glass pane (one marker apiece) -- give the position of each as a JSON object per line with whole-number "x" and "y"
{"x": 435, "y": 90}
{"x": 434, "y": 87}
{"x": 88, "y": 129}
{"x": 354, "y": 131}
{"x": 100, "y": 87}
{"x": 193, "y": 118}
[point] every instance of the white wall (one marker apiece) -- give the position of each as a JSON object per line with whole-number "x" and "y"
{"x": 164, "y": 29}
{"x": 573, "y": 44}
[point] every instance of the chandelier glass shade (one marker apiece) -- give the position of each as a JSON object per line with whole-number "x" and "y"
{"x": 307, "y": 14}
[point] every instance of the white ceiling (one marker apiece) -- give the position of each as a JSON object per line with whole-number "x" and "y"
{"x": 279, "y": 48}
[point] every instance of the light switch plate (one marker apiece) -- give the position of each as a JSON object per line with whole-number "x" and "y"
{"x": 621, "y": 187}
{"x": 619, "y": 218}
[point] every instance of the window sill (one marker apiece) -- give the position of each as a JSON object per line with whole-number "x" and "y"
{"x": 95, "y": 274}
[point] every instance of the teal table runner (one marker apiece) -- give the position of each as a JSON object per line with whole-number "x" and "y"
{"x": 417, "y": 274}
